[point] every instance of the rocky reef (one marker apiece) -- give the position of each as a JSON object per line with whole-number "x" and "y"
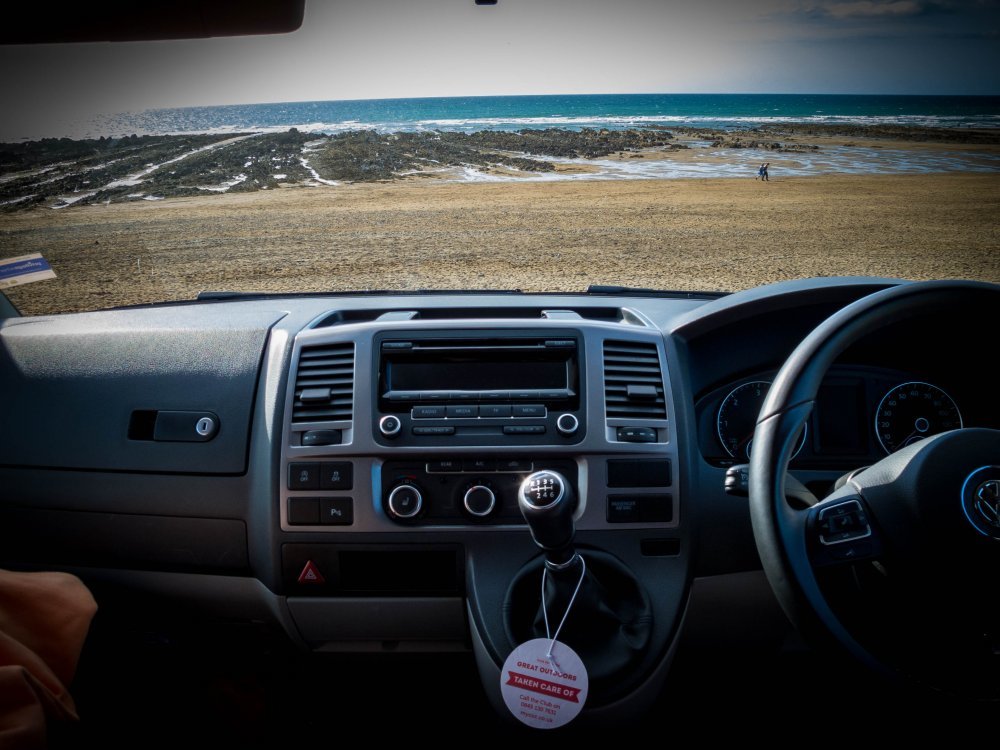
{"x": 62, "y": 172}
{"x": 367, "y": 155}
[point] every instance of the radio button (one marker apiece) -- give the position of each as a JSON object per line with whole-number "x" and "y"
{"x": 434, "y": 395}
{"x": 464, "y": 411}
{"x": 529, "y": 410}
{"x": 433, "y": 430}
{"x": 494, "y": 410}
{"x": 567, "y": 424}
{"x": 493, "y": 396}
{"x": 404, "y": 395}
{"x": 524, "y": 429}
{"x": 553, "y": 395}
{"x": 390, "y": 426}
{"x": 428, "y": 412}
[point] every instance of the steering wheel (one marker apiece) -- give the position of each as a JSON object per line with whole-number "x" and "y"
{"x": 900, "y": 566}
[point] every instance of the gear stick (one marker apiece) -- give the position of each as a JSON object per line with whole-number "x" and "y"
{"x": 610, "y": 621}
{"x": 547, "y": 502}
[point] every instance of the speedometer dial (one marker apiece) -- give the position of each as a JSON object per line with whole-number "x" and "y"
{"x": 738, "y": 417}
{"x": 913, "y": 411}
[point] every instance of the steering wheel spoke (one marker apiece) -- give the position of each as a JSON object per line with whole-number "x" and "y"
{"x": 842, "y": 531}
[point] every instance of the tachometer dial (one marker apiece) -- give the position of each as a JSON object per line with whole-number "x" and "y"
{"x": 738, "y": 418}
{"x": 912, "y": 411}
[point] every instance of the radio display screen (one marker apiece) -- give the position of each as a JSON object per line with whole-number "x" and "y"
{"x": 477, "y": 375}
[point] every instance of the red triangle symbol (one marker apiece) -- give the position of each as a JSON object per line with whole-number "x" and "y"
{"x": 310, "y": 574}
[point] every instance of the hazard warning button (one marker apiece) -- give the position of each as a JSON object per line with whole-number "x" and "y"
{"x": 310, "y": 574}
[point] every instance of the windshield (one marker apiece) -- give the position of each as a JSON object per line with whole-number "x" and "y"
{"x": 539, "y": 146}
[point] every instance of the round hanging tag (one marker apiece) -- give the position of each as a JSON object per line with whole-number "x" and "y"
{"x": 544, "y": 683}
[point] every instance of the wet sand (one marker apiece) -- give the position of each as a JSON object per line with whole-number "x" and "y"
{"x": 698, "y": 234}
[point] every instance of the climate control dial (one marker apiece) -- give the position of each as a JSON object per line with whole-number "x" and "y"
{"x": 405, "y": 502}
{"x": 479, "y": 500}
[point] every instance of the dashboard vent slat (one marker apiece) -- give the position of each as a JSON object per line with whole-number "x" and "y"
{"x": 324, "y": 368}
{"x": 634, "y": 364}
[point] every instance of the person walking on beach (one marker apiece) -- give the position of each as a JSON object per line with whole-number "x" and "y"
{"x": 762, "y": 172}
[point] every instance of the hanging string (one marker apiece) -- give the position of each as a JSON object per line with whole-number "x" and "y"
{"x": 545, "y": 608}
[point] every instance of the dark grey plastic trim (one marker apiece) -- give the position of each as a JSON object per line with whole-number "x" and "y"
{"x": 367, "y": 455}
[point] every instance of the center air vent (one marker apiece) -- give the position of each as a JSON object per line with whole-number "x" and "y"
{"x": 633, "y": 385}
{"x": 324, "y": 384}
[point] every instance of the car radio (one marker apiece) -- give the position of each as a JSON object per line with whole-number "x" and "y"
{"x": 503, "y": 388}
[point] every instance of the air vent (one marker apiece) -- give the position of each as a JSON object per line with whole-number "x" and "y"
{"x": 603, "y": 314}
{"x": 633, "y": 385}
{"x": 324, "y": 384}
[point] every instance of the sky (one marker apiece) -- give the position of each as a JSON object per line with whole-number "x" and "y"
{"x": 369, "y": 49}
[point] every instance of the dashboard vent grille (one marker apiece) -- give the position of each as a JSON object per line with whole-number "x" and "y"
{"x": 324, "y": 384}
{"x": 633, "y": 385}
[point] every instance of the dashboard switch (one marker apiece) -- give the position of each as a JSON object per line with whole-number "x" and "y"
{"x": 322, "y": 437}
{"x": 738, "y": 480}
{"x": 428, "y": 412}
{"x": 337, "y": 511}
{"x": 303, "y": 511}
{"x": 623, "y": 509}
{"x": 524, "y": 429}
{"x": 479, "y": 465}
{"x": 494, "y": 410}
{"x": 443, "y": 430}
{"x": 529, "y": 410}
{"x": 338, "y": 475}
{"x": 310, "y": 574}
{"x": 637, "y": 434}
{"x": 303, "y": 476}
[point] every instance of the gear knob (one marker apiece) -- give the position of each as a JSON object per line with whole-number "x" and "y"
{"x": 547, "y": 502}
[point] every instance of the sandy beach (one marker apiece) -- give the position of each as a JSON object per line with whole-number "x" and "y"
{"x": 690, "y": 234}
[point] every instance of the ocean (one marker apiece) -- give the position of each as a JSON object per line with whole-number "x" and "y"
{"x": 570, "y": 111}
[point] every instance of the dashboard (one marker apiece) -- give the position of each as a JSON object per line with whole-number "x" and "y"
{"x": 346, "y": 468}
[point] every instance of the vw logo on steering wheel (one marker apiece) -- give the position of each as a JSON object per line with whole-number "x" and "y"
{"x": 981, "y": 500}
